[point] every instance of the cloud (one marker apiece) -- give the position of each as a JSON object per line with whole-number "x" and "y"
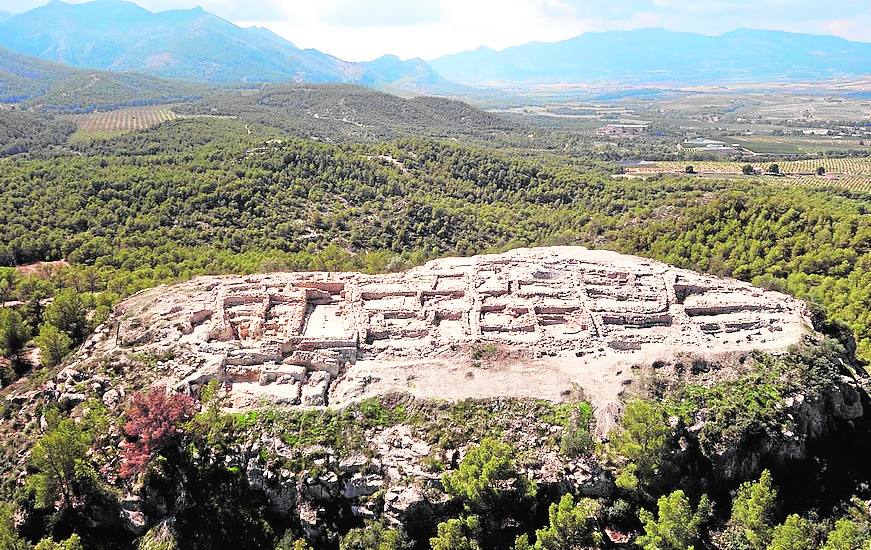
{"x": 384, "y": 13}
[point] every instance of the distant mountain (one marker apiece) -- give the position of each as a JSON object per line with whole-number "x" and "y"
{"x": 657, "y": 55}
{"x": 192, "y": 44}
{"x": 55, "y": 87}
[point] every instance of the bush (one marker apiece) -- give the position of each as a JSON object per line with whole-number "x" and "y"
{"x": 14, "y": 331}
{"x": 638, "y": 448}
{"x": 576, "y": 438}
{"x": 153, "y": 420}
{"x": 457, "y": 534}
{"x": 53, "y": 345}
{"x": 677, "y": 526}
{"x": 571, "y": 525}
{"x": 486, "y": 471}
{"x": 375, "y": 536}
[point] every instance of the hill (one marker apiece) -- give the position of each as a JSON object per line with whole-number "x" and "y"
{"x": 54, "y": 87}
{"x": 657, "y": 55}
{"x": 340, "y": 112}
{"x": 191, "y": 44}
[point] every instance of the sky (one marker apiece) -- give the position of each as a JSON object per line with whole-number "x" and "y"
{"x": 360, "y": 30}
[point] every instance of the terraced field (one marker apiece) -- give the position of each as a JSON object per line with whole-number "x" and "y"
{"x": 121, "y": 121}
{"x": 848, "y": 173}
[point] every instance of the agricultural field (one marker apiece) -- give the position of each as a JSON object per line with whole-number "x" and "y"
{"x": 112, "y": 123}
{"x": 794, "y": 145}
{"x": 848, "y": 173}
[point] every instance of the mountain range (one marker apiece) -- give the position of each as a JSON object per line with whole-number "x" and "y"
{"x": 194, "y": 45}
{"x": 658, "y": 55}
{"x": 197, "y": 46}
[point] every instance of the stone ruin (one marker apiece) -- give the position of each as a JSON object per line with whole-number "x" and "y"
{"x": 549, "y": 317}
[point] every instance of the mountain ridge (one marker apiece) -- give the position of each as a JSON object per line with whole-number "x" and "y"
{"x": 190, "y": 44}
{"x": 659, "y": 55}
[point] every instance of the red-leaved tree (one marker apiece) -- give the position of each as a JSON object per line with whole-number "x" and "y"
{"x": 153, "y": 420}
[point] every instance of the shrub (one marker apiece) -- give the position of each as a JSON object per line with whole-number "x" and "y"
{"x": 571, "y": 525}
{"x": 677, "y": 526}
{"x": 153, "y": 421}
{"x": 53, "y": 345}
{"x": 375, "y": 536}
{"x": 457, "y": 534}
{"x": 486, "y": 470}
{"x": 14, "y": 331}
{"x": 576, "y": 437}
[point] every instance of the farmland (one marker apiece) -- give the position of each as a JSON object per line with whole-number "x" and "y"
{"x": 848, "y": 173}
{"x": 110, "y": 123}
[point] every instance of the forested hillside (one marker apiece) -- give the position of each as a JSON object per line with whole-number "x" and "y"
{"x": 52, "y": 87}
{"x": 22, "y": 131}
{"x": 351, "y": 113}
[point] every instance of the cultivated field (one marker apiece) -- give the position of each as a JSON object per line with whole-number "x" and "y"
{"x": 848, "y": 173}
{"x": 121, "y": 121}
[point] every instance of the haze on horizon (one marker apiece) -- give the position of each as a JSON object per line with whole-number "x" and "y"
{"x": 359, "y": 30}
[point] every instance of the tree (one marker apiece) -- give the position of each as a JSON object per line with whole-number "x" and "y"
{"x": 796, "y": 533}
{"x": 677, "y": 526}
{"x": 821, "y": 171}
{"x": 457, "y": 534}
{"x": 640, "y": 443}
{"x": 375, "y": 536}
{"x": 9, "y": 539}
{"x": 14, "y": 332}
{"x": 690, "y": 170}
{"x": 68, "y": 313}
{"x": 60, "y": 459}
{"x": 53, "y": 345}
{"x": 72, "y": 543}
{"x": 774, "y": 169}
{"x": 486, "y": 471}
{"x": 572, "y": 526}
{"x": 748, "y": 170}
{"x": 153, "y": 420}
{"x": 847, "y": 535}
{"x": 753, "y": 511}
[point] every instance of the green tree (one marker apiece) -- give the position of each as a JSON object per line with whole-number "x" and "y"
{"x": 485, "y": 472}
{"x": 796, "y": 533}
{"x": 774, "y": 169}
{"x": 14, "y": 332}
{"x": 753, "y": 511}
{"x": 457, "y": 534}
{"x": 848, "y": 535}
{"x": 68, "y": 312}
{"x": 572, "y": 526}
{"x": 72, "y": 543}
{"x": 821, "y": 171}
{"x": 53, "y": 345}
{"x": 748, "y": 170}
{"x": 375, "y": 536}
{"x": 60, "y": 459}
{"x": 677, "y": 526}
{"x": 640, "y": 444}
{"x": 9, "y": 539}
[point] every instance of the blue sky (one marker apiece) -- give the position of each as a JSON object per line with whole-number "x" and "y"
{"x": 364, "y": 29}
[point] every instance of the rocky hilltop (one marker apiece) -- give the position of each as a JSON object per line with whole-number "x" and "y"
{"x": 527, "y": 323}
